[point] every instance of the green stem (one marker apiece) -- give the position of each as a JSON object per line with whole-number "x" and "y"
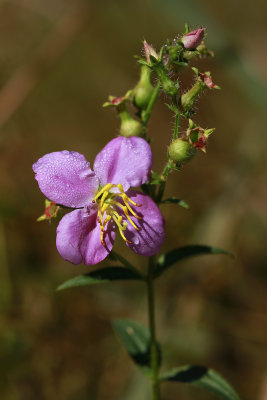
{"x": 146, "y": 113}
{"x": 161, "y": 188}
{"x": 154, "y": 362}
{"x": 176, "y": 126}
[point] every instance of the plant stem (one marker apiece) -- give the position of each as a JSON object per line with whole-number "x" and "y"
{"x": 167, "y": 169}
{"x": 154, "y": 362}
{"x": 176, "y": 126}
{"x": 146, "y": 113}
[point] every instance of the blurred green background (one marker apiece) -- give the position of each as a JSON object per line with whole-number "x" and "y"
{"x": 59, "y": 61}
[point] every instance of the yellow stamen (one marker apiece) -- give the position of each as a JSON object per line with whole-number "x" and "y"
{"x": 106, "y": 207}
{"x": 103, "y": 229}
{"x": 103, "y": 209}
{"x": 119, "y": 218}
{"x": 107, "y": 188}
{"x": 125, "y": 199}
{"x": 103, "y": 198}
{"x": 125, "y": 210}
{"x": 120, "y": 227}
{"x": 120, "y": 187}
{"x": 129, "y": 218}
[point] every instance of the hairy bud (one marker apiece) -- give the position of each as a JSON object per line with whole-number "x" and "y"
{"x": 144, "y": 88}
{"x": 181, "y": 151}
{"x": 129, "y": 125}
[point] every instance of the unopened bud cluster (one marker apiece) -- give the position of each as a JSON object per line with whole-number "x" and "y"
{"x": 162, "y": 67}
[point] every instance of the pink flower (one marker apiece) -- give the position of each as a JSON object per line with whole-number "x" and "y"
{"x": 103, "y": 200}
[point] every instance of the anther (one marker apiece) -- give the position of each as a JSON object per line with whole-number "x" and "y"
{"x": 129, "y": 218}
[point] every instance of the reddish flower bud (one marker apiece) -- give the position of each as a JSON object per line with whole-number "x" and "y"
{"x": 150, "y": 51}
{"x": 193, "y": 39}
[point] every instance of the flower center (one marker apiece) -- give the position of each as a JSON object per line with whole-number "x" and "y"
{"x": 107, "y": 209}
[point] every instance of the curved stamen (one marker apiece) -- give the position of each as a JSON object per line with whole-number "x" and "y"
{"x": 123, "y": 194}
{"x": 120, "y": 227}
{"x": 108, "y": 218}
{"x": 103, "y": 209}
{"x": 125, "y": 199}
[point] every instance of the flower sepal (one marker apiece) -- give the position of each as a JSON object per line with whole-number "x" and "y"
{"x": 198, "y": 136}
{"x": 152, "y": 57}
{"x": 116, "y": 102}
{"x": 51, "y": 211}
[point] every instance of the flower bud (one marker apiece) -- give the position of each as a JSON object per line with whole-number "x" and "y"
{"x": 129, "y": 125}
{"x": 193, "y": 39}
{"x": 188, "y": 99}
{"x": 181, "y": 151}
{"x": 150, "y": 51}
{"x": 144, "y": 89}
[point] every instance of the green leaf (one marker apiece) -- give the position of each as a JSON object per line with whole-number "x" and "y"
{"x": 136, "y": 340}
{"x": 174, "y": 200}
{"x": 202, "y": 377}
{"x": 143, "y": 62}
{"x": 173, "y": 108}
{"x": 155, "y": 175}
{"x": 103, "y": 275}
{"x": 172, "y": 257}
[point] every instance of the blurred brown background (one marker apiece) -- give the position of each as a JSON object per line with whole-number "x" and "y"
{"x": 59, "y": 61}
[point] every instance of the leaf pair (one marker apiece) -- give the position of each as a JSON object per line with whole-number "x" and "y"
{"x": 136, "y": 340}
{"x": 117, "y": 273}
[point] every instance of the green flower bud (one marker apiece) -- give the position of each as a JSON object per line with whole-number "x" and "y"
{"x": 188, "y": 99}
{"x": 129, "y": 125}
{"x": 181, "y": 151}
{"x": 144, "y": 89}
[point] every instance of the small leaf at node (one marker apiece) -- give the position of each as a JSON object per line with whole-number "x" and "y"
{"x": 174, "y": 200}
{"x": 172, "y": 257}
{"x": 136, "y": 340}
{"x": 103, "y": 275}
{"x": 203, "y": 377}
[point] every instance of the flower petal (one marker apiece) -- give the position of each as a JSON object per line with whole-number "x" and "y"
{"x": 78, "y": 238}
{"x": 66, "y": 178}
{"x": 124, "y": 160}
{"x": 149, "y": 239}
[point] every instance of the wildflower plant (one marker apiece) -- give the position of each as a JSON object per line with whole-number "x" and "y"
{"x": 103, "y": 200}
